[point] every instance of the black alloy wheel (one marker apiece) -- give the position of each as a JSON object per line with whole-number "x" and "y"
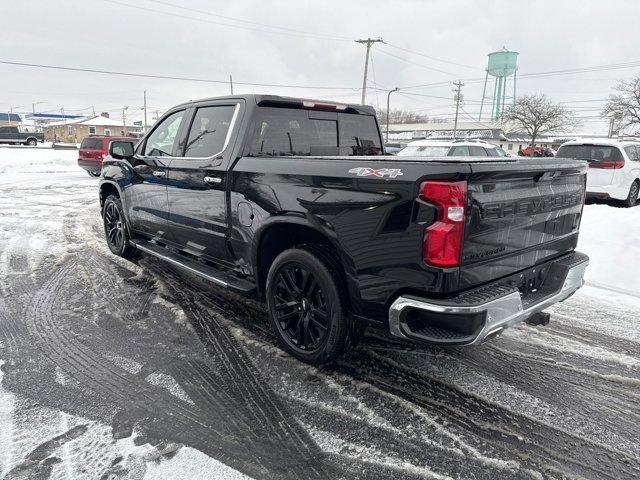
{"x": 301, "y": 307}
{"x": 113, "y": 226}
{"x": 308, "y": 304}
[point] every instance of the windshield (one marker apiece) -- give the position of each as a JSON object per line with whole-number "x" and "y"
{"x": 423, "y": 151}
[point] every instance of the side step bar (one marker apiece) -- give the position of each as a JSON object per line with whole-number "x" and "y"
{"x": 207, "y": 272}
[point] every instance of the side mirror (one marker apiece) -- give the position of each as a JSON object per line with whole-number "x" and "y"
{"x": 121, "y": 150}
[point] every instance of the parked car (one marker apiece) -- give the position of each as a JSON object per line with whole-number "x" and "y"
{"x": 17, "y": 136}
{"x": 451, "y": 148}
{"x": 614, "y": 167}
{"x": 291, "y": 201}
{"x": 392, "y": 148}
{"x": 538, "y": 151}
{"x": 93, "y": 149}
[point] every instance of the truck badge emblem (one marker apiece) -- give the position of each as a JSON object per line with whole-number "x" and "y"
{"x": 376, "y": 172}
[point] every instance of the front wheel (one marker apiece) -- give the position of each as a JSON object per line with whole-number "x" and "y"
{"x": 307, "y": 305}
{"x": 32, "y": 142}
{"x": 115, "y": 229}
{"x": 632, "y": 198}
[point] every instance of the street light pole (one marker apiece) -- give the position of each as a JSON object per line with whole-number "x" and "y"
{"x": 33, "y": 113}
{"x": 388, "y": 99}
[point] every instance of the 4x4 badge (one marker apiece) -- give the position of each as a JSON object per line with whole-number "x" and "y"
{"x": 376, "y": 172}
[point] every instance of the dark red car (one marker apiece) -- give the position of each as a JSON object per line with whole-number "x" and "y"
{"x": 93, "y": 149}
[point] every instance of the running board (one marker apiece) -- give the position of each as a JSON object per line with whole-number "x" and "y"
{"x": 207, "y": 272}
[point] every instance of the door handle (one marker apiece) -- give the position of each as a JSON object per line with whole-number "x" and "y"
{"x": 213, "y": 180}
{"x": 159, "y": 173}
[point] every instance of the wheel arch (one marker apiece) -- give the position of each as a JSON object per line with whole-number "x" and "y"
{"x": 109, "y": 188}
{"x": 284, "y": 232}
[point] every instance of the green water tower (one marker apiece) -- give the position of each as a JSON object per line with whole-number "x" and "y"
{"x": 502, "y": 65}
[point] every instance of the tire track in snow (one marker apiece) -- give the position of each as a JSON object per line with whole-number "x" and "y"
{"x": 169, "y": 416}
{"x": 549, "y": 449}
{"x": 225, "y": 380}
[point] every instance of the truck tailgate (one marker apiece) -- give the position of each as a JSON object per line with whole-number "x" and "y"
{"x": 522, "y": 212}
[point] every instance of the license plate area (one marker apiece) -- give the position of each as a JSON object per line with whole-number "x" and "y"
{"x": 532, "y": 280}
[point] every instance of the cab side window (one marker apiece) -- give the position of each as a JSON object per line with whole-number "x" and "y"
{"x": 209, "y": 131}
{"x": 161, "y": 141}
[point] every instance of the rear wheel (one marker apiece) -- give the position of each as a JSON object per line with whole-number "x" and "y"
{"x": 115, "y": 229}
{"x": 632, "y": 198}
{"x": 32, "y": 142}
{"x": 307, "y": 306}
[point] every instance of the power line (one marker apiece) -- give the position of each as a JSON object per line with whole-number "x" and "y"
{"x": 414, "y": 63}
{"x": 167, "y": 77}
{"x": 432, "y": 58}
{"x": 240, "y": 20}
{"x": 550, "y": 73}
{"x": 203, "y": 20}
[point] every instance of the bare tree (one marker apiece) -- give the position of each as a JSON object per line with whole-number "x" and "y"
{"x": 397, "y": 116}
{"x": 537, "y": 114}
{"x": 624, "y": 105}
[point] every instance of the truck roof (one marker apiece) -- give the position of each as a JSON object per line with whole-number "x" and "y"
{"x": 291, "y": 102}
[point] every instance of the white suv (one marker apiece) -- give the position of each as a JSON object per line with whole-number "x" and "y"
{"x": 614, "y": 167}
{"x": 451, "y": 148}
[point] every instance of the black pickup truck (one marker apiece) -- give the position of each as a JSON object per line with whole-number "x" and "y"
{"x": 294, "y": 201}
{"x": 15, "y": 136}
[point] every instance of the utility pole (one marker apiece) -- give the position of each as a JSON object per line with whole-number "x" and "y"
{"x": 231, "y": 83}
{"x": 388, "y": 97}
{"x": 457, "y": 97}
{"x": 368, "y": 42}
{"x": 124, "y": 120}
{"x": 145, "y": 111}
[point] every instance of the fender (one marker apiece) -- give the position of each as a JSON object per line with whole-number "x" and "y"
{"x": 300, "y": 219}
{"x": 119, "y": 189}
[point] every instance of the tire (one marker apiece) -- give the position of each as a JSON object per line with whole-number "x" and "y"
{"x": 93, "y": 174}
{"x": 632, "y": 198}
{"x": 115, "y": 228}
{"x": 307, "y": 305}
{"x": 32, "y": 142}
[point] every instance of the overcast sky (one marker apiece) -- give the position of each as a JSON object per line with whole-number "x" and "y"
{"x": 309, "y": 43}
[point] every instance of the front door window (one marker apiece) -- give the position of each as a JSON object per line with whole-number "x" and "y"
{"x": 161, "y": 141}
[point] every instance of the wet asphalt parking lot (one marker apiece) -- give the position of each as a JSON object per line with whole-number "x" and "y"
{"x": 122, "y": 370}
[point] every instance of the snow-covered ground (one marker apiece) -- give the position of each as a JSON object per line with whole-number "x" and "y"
{"x": 110, "y": 369}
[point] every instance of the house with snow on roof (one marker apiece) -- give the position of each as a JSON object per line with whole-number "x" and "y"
{"x": 73, "y": 131}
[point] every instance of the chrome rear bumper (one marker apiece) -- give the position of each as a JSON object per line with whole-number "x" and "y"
{"x": 499, "y": 313}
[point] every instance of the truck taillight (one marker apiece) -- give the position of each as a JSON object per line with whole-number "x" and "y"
{"x": 607, "y": 165}
{"x": 443, "y": 239}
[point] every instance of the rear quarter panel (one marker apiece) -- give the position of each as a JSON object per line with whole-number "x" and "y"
{"x": 368, "y": 219}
